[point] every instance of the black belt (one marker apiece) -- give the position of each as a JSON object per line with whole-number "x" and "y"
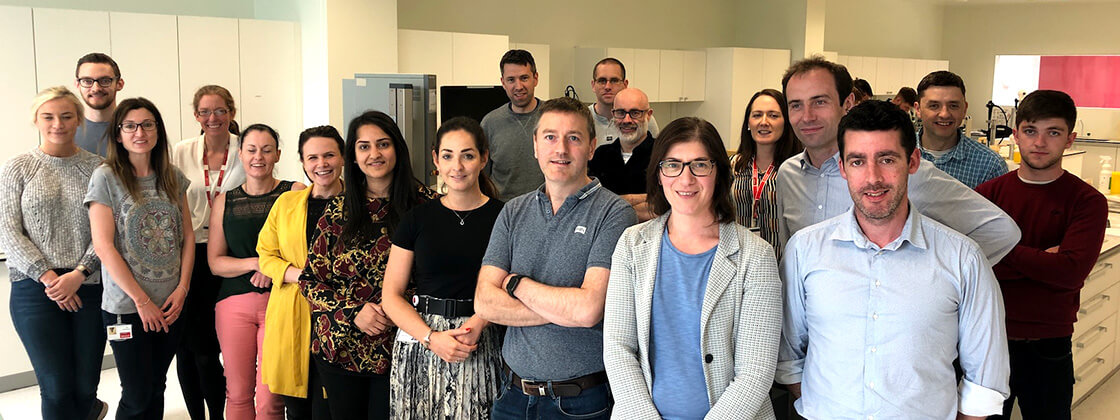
{"x": 447, "y": 308}
{"x": 568, "y": 388}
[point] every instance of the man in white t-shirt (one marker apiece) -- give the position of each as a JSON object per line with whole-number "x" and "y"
{"x": 608, "y": 77}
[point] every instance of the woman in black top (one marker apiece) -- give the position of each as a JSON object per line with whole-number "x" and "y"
{"x": 236, "y": 219}
{"x": 445, "y": 360}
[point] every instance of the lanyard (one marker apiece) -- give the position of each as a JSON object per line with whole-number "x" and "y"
{"x": 757, "y": 185}
{"x": 211, "y": 192}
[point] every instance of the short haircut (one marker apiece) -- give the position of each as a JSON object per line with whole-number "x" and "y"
{"x": 683, "y": 130}
{"x": 324, "y": 131}
{"x": 939, "y": 78}
{"x": 98, "y": 58}
{"x": 566, "y": 105}
{"x": 57, "y": 92}
{"x": 608, "y": 60}
{"x": 519, "y": 57}
{"x": 878, "y": 115}
{"x": 1043, "y": 104}
{"x": 839, "y": 73}
{"x": 863, "y": 86}
{"x": 908, "y": 95}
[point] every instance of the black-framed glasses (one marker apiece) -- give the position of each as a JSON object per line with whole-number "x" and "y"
{"x": 130, "y": 127}
{"x": 602, "y": 81}
{"x": 634, "y": 113}
{"x": 698, "y": 167}
{"x": 221, "y": 112}
{"x": 87, "y": 82}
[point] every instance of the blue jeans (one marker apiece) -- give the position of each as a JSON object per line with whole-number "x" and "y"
{"x": 592, "y": 403}
{"x": 65, "y": 348}
{"x": 142, "y": 364}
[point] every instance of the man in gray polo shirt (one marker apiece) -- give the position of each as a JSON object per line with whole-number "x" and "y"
{"x": 510, "y": 128}
{"x": 607, "y": 79}
{"x": 98, "y": 79}
{"x": 545, "y": 276}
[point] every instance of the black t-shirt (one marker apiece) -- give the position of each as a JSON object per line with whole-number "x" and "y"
{"x": 446, "y": 254}
{"x": 619, "y": 176}
{"x": 315, "y": 209}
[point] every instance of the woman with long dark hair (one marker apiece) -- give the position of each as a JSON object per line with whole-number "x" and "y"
{"x": 346, "y": 267}
{"x": 446, "y": 359}
{"x": 766, "y": 141}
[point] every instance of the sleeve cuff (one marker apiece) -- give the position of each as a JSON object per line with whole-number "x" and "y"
{"x": 976, "y": 400}
{"x": 789, "y": 372}
{"x": 36, "y": 270}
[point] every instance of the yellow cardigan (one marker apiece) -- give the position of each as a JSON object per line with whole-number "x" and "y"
{"x": 287, "y": 328}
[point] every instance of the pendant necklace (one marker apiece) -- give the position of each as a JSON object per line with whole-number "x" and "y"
{"x": 462, "y": 219}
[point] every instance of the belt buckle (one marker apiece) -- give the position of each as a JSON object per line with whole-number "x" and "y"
{"x": 539, "y": 386}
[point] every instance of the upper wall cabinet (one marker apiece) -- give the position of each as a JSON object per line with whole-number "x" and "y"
{"x": 146, "y": 48}
{"x": 664, "y": 75}
{"x": 67, "y": 35}
{"x": 270, "y": 81}
{"x": 735, "y": 75}
{"x": 208, "y": 55}
{"x": 455, "y": 58}
{"x": 542, "y": 55}
{"x": 886, "y": 75}
{"x": 17, "y": 80}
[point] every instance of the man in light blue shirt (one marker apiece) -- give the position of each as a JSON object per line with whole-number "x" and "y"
{"x": 942, "y": 106}
{"x": 880, "y": 300}
{"x": 810, "y": 188}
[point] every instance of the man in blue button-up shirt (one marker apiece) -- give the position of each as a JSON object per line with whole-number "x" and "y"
{"x": 881, "y": 299}
{"x": 810, "y": 188}
{"x": 942, "y": 106}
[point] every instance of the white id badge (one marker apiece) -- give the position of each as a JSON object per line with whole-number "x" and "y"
{"x": 119, "y": 332}
{"x": 404, "y": 337}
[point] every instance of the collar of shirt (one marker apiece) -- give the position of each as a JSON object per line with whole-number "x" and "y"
{"x": 849, "y": 231}
{"x": 955, "y": 152}
{"x": 572, "y": 200}
{"x": 830, "y": 165}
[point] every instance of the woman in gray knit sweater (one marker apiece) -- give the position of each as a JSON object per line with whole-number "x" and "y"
{"x": 56, "y": 286}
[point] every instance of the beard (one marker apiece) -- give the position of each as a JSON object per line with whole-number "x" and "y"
{"x": 880, "y": 211}
{"x": 104, "y": 101}
{"x": 1039, "y": 166}
{"x": 637, "y": 135}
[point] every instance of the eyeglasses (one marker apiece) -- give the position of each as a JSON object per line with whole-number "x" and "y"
{"x": 87, "y": 82}
{"x": 221, "y": 112}
{"x": 620, "y": 114}
{"x": 698, "y": 167}
{"x": 130, "y": 127}
{"x": 602, "y": 81}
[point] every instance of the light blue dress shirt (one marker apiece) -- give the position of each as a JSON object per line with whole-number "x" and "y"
{"x": 969, "y": 161}
{"x": 872, "y": 332}
{"x": 807, "y": 195}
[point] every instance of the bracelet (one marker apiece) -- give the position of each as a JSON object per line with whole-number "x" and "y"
{"x": 145, "y": 303}
{"x": 427, "y": 341}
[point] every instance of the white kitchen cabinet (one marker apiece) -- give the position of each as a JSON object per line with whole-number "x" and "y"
{"x": 146, "y": 48}
{"x": 645, "y": 74}
{"x": 475, "y": 58}
{"x": 208, "y": 55}
{"x": 671, "y": 82}
{"x": 732, "y": 76}
{"x": 1095, "y": 332}
{"x": 271, "y": 83}
{"x": 61, "y": 38}
{"x": 695, "y": 76}
{"x": 887, "y": 74}
{"x": 664, "y": 75}
{"x": 17, "y": 80}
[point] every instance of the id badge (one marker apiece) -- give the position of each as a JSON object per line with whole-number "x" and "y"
{"x": 119, "y": 332}
{"x": 404, "y": 337}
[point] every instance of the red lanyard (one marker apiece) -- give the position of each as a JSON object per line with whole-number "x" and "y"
{"x": 758, "y": 184}
{"x": 210, "y": 192}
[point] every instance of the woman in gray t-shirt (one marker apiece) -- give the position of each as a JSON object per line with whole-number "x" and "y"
{"x": 140, "y": 222}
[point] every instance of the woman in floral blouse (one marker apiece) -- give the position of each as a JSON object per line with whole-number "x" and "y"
{"x": 352, "y": 336}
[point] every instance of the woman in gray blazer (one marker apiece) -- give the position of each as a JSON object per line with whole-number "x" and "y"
{"x": 694, "y": 311}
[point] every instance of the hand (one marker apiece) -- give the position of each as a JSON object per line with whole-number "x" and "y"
{"x": 795, "y": 389}
{"x": 260, "y": 280}
{"x": 371, "y": 319}
{"x": 150, "y": 316}
{"x": 65, "y": 286}
{"x": 447, "y": 346}
{"x": 173, "y": 307}
{"x": 71, "y": 304}
{"x": 48, "y": 278}
{"x": 473, "y": 328}
{"x": 1054, "y": 249}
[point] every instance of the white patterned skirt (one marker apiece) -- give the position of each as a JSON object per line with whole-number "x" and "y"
{"x": 423, "y": 386}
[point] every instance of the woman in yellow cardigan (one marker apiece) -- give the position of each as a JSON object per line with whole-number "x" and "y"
{"x": 282, "y": 248}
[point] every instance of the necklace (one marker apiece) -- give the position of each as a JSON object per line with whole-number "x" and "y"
{"x": 463, "y": 218}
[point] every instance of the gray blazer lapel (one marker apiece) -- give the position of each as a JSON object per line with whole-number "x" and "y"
{"x": 724, "y": 269}
{"x": 647, "y": 252}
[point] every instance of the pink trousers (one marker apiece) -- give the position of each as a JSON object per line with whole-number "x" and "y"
{"x": 240, "y": 324}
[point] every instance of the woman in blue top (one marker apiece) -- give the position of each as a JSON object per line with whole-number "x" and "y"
{"x": 694, "y": 311}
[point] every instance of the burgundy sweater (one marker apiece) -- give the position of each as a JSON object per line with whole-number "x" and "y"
{"x": 1042, "y": 290}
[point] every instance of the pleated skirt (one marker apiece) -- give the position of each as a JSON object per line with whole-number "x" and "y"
{"x": 423, "y": 386}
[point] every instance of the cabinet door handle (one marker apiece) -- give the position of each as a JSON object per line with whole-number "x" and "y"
{"x": 1089, "y": 340}
{"x": 1100, "y": 302}
{"x": 1096, "y": 364}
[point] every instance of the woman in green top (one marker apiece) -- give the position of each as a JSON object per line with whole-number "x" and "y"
{"x": 235, "y": 221}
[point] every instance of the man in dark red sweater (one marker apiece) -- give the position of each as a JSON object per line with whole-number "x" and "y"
{"x": 1063, "y": 221}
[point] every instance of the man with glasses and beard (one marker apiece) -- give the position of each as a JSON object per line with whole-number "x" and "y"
{"x": 621, "y": 166}
{"x": 98, "y": 80}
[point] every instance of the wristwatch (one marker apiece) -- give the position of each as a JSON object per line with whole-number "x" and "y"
{"x": 427, "y": 341}
{"x": 84, "y": 270}
{"x": 512, "y": 285}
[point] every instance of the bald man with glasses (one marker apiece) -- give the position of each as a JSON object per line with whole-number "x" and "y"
{"x": 621, "y": 165}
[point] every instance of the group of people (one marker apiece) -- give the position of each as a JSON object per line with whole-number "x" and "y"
{"x": 576, "y": 262}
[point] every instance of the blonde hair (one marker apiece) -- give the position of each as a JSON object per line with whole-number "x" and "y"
{"x": 57, "y": 92}
{"x": 221, "y": 92}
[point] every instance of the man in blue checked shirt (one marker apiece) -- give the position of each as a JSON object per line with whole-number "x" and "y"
{"x": 880, "y": 300}
{"x": 942, "y": 107}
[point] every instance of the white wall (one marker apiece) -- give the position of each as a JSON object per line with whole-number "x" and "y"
{"x": 887, "y": 28}
{"x": 361, "y": 38}
{"x": 974, "y": 35}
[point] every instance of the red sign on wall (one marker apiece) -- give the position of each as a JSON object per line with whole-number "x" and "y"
{"x": 1092, "y": 80}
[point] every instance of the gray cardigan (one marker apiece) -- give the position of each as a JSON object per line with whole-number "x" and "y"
{"x": 740, "y": 323}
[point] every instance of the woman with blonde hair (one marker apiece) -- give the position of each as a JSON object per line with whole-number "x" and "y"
{"x": 56, "y": 286}
{"x": 210, "y": 162}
